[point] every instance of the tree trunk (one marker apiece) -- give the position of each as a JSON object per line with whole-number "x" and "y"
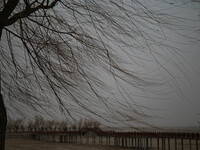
{"x": 1, "y": 28}
{"x": 3, "y": 123}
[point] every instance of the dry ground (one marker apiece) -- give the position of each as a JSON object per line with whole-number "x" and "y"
{"x": 28, "y": 144}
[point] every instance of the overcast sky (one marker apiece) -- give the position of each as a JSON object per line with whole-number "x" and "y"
{"x": 176, "y": 108}
{"x": 171, "y": 108}
{"x": 175, "y": 111}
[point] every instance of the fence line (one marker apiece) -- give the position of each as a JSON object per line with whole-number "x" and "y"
{"x": 131, "y": 140}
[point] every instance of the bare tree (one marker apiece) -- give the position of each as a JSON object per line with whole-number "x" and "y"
{"x": 3, "y": 123}
{"x": 17, "y": 124}
{"x": 63, "y": 126}
{"x": 90, "y": 125}
{"x": 10, "y": 125}
{"x": 50, "y": 125}
{"x": 53, "y": 50}
{"x": 30, "y": 126}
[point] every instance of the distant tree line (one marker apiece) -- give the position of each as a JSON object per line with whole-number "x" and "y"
{"x": 41, "y": 124}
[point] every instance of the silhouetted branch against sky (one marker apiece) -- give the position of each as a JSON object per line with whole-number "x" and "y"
{"x": 91, "y": 58}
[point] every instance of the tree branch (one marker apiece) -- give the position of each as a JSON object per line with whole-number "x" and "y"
{"x": 28, "y": 10}
{"x": 8, "y": 9}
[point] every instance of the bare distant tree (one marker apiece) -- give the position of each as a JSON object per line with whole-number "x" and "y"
{"x": 80, "y": 124}
{"x": 10, "y": 125}
{"x": 50, "y": 124}
{"x": 63, "y": 125}
{"x": 16, "y": 124}
{"x": 30, "y": 126}
{"x": 39, "y": 123}
{"x": 53, "y": 50}
{"x": 91, "y": 125}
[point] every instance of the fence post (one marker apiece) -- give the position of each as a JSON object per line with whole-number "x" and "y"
{"x": 115, "y": 141}
{"x": 190, "y": 143}
{"x": 151, "y": 143}
{"x": 106, "y": 139}
{"x": 102, "y": 139}
{"x": 175, "y": 142}
{"x": 131, "y": 141}
{"x": 168, "y": 143}
{"x": 181, "y": 143}
{"x": 147, "y": 143}
{"x": 99, "y": 138}
{"x": 157, "y": 143}
{"x": 126, "y": 144}
{"x": 163, "y": 143}
{"x": 87, "y": 138}
{"x": 135, "y": 141}
{"x": 94, "y": 138}
{"x": 109, "y": 139}
{"x": 80, "y": 137}
{"x": 122, "y": 141}
{"x": 197, "y": 146}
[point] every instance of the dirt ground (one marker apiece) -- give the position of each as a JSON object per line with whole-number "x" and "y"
{"x": 28, "y": 144}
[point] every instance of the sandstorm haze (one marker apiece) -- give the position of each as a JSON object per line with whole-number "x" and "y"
{"x": 121, "y": 63}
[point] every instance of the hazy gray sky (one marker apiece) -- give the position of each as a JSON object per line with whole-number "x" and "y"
{"x": 184, "y": 112}
{"x": 176, "y": 108}
{"x": 177, "y": 102}
{"x": 175, "y": 111}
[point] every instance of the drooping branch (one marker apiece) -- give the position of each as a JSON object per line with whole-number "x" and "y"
{"x": 3, "y": 122}
{"x": 23, "y": 14}
{"x": 8, "y": 9}
{"x": 65, "y": 47}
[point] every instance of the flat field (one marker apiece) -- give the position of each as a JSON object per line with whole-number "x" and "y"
{"x": 28, "y": 144}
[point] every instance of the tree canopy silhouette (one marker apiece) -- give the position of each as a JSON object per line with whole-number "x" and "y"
{"x": 54, "y": 53}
